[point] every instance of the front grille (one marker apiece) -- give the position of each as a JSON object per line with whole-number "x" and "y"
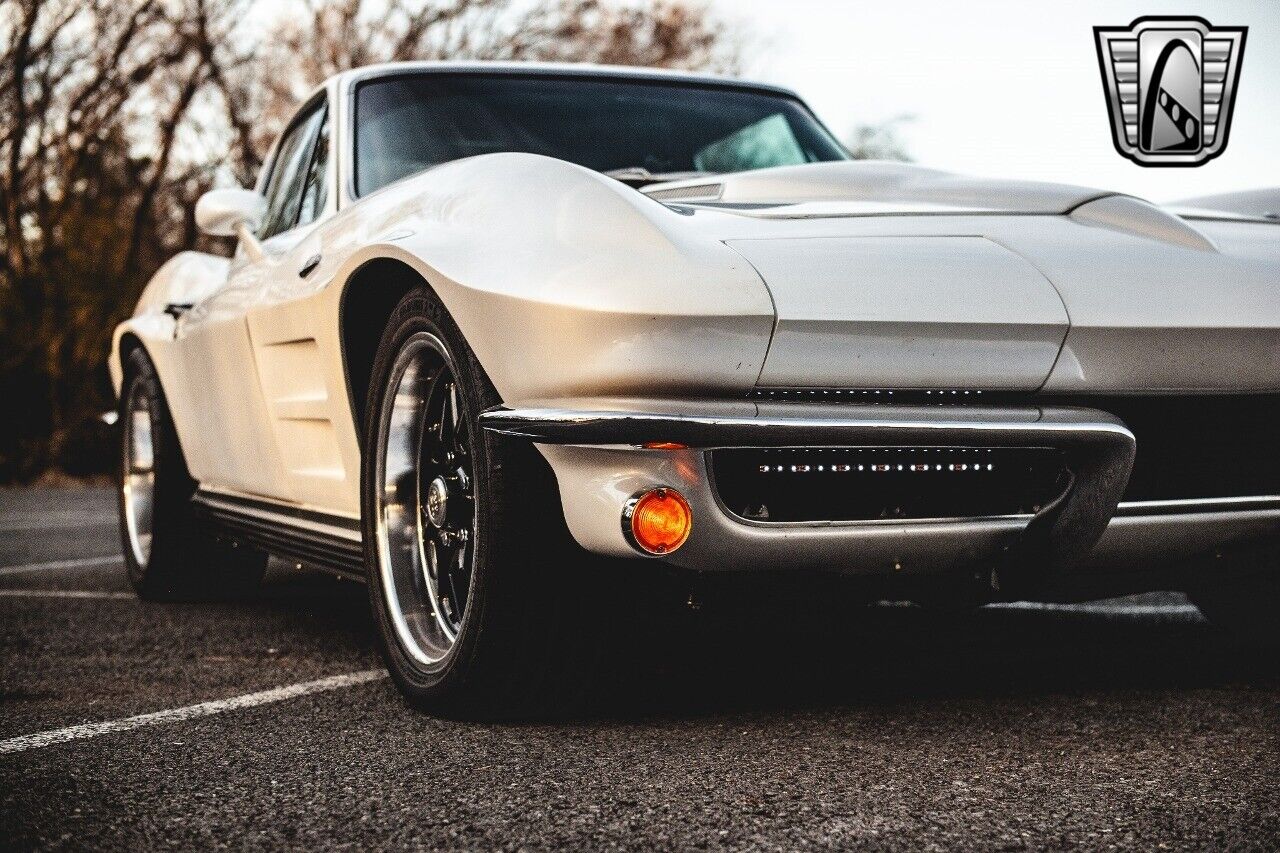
{"x": 1203, "y": 446}
{"x": 884, "y": 483}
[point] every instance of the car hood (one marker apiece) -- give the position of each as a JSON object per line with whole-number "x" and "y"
{"x": 867, "y": 187}
{"x": 893, "y": 276}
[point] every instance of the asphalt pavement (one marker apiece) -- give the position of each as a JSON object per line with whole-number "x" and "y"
{"x": 1129, "y": 724}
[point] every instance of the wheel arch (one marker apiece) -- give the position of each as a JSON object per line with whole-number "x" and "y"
{"x": 369, "y": 296}
{"x": 126, "y": 341}
{"x": 129, "y": 342}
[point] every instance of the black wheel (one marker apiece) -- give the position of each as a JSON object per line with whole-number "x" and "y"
{"x": 484, "y": 606}
{"x": 167, "y": 554}
{"x": 1245, "y": 600}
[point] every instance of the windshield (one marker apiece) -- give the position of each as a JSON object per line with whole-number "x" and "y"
{"x": 407, "y": 124}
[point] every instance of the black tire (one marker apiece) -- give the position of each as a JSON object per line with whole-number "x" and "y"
{"x": 183, "y": 562}
{"x": 1245, "y": 599}
{"x": 532, "y": 630}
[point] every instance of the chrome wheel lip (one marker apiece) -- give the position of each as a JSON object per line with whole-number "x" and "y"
{"x": 138, "y": 476}
{"x": 408, "y": 539}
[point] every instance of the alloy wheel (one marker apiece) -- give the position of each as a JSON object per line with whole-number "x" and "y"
{"x": 426, "y": 506}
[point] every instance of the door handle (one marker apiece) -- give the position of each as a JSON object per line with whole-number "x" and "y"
{"x": 309, "y": 266}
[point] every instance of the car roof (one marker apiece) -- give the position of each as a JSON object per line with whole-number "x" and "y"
{"x": 553, "y": 69}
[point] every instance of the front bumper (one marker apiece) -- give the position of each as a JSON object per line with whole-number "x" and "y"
{"x": 596, "y": 449}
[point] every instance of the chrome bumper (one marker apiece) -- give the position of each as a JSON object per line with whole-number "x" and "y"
{"x": 1164, "y": 534}
{"x": 596, "y": 448}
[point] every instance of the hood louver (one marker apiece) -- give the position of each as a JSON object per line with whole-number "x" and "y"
{"x": 699, "y": 192}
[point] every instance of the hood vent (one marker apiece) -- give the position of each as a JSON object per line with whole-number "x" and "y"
{"x": 696, "y": 192}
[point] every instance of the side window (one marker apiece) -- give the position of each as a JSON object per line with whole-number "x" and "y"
{"x": 316, "y": 190}
{"x": 289, "y": 173}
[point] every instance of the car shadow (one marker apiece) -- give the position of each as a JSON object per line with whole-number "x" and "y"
{"x": 738, "y": 661}
{"x": 757, "y": 657}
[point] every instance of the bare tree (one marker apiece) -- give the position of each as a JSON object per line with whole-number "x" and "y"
{"x": 93, "y": 95}
{"x": 879, "y": 141}
{"x": 664, "y": 35}
{"x": 329, "y": 36}
{"x": 115, "y": 115}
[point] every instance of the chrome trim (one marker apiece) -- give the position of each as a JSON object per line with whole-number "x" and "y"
{"x": 1098, "y": 452}
{"x": 628, "y": 511}
{"x": 1163, "y": 542}
{"x": 293, "y": 533}
{"x": 870, "y": 426}
{"x": 281, "y": 513}
{"x": 568, "y": 70}
{"x": 873, "y": 522}
{"x": 1185, "y": 506}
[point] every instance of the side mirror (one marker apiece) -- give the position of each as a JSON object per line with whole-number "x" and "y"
{"x": 232, "y": 212}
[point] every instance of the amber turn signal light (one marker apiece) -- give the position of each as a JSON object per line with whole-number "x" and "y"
{"x": 657, "y": 521}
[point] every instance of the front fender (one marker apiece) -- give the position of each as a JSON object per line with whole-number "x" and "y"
{"x": 185, "y": 279}
{"x": 566, "y": 282}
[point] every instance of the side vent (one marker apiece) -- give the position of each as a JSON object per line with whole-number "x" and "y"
{"x": 300, "y": 409}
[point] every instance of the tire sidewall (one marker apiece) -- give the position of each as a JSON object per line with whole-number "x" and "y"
{"x": 172, "y": 483}
{"x": 418, "y": 313}
{"x": 186, "y": 562}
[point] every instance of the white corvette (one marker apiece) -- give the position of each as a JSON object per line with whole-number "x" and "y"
{"x": 489, "y": 326}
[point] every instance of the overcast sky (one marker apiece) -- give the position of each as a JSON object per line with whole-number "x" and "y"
{"x": 1007, "y": 87}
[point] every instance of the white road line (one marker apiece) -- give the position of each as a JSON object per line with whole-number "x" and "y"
{"x": 19, "y": 525}
{"x": 1103, "y": 609}
{"x": 53, "y": 565}
{"x": 174, "y": 715}
{"x": 64, "y": 593}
